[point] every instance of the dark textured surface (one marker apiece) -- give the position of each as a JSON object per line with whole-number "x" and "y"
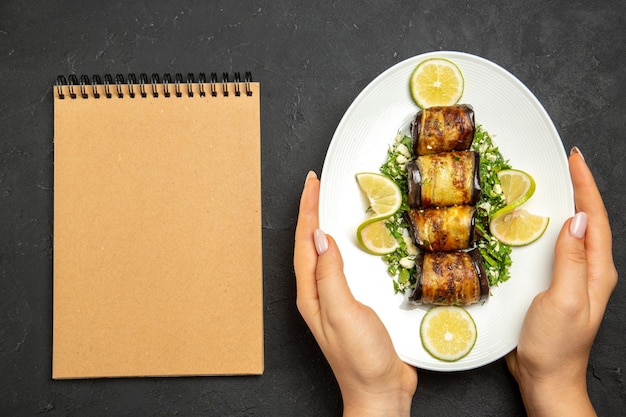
{"x": 312, "y": 60}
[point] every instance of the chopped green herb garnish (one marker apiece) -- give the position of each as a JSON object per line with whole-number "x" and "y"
{"x": 496, "y": 255}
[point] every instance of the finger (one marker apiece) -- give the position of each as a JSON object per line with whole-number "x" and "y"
{"x": 305, "y": 256}
{"x": 335, "y": 296}
{"x": 586, "y": 194}
{"x": 569, "y": 274}
{"x": 598, "y": 240}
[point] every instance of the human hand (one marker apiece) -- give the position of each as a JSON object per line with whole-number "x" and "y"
{"x": 550, "y": 362}
{"x": 372, "y": 378}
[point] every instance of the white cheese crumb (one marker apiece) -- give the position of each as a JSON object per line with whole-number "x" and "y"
{"x": 411, "y": 249}
{"x": 407, "y": 262}
{"x": 486, "y": 205}
{"x": 402, "y": 149}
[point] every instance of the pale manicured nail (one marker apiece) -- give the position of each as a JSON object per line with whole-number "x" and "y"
{"x": 576, "y": 150}
{"x": 310, "y": 175}
{"x": 321, "y": 241}
{"x": 578, "y": 225}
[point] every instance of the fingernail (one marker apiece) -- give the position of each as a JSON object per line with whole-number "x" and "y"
{"x": 578, "y": 225}
{"x": 576, "y": 150}
{"x": 321, "y": 241}
{"x": 310, "y": 175}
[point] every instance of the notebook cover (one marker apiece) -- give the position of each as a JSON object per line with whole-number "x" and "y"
{"x": 157, "y": 236}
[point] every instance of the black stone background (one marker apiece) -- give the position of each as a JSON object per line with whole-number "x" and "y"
{"x": 312, "y": 59}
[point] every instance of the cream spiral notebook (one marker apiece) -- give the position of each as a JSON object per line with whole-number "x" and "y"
{"x": 157, "y": 226}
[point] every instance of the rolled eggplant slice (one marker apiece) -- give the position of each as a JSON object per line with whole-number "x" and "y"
{"x": 444, "y": 179}
{"x": 443, "y": 229}
{"x": 443, "y": 129}
{"x": 450, "y": 278}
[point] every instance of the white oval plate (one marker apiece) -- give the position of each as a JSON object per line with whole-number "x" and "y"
{"x": 526, "y": 137}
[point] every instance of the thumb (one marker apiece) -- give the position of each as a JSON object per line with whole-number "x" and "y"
{"x": 569, "y": 275}
{"x": 332, "y": 287}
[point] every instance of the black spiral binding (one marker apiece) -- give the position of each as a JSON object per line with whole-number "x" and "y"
{"x": 145, "y": 86}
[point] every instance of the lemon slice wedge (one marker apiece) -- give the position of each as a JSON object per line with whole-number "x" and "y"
{"x": 448, "y": 333}
{"x": 436, "y": 82}
{"x": 384, "y": 195}
{"x": 375, "y": 238}
{"x": 517, "y": 186}
{"x": 517, "y": 227}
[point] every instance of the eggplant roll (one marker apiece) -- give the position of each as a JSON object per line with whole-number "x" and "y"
{"x": 444, "y": 179}
{"x": 450, "y": 278}
{"x": 443, "y": 129}
{"x": 443, "y": 229}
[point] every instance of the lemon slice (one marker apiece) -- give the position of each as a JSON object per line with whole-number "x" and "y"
{"x": 436, "y": 82}
{"x": 383, "y": 193}
{"x": 517, "y": 227}
{"x": 517, "y": 186}
{"x": 448, "y": 332}
{"x": 375, "y": 238}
